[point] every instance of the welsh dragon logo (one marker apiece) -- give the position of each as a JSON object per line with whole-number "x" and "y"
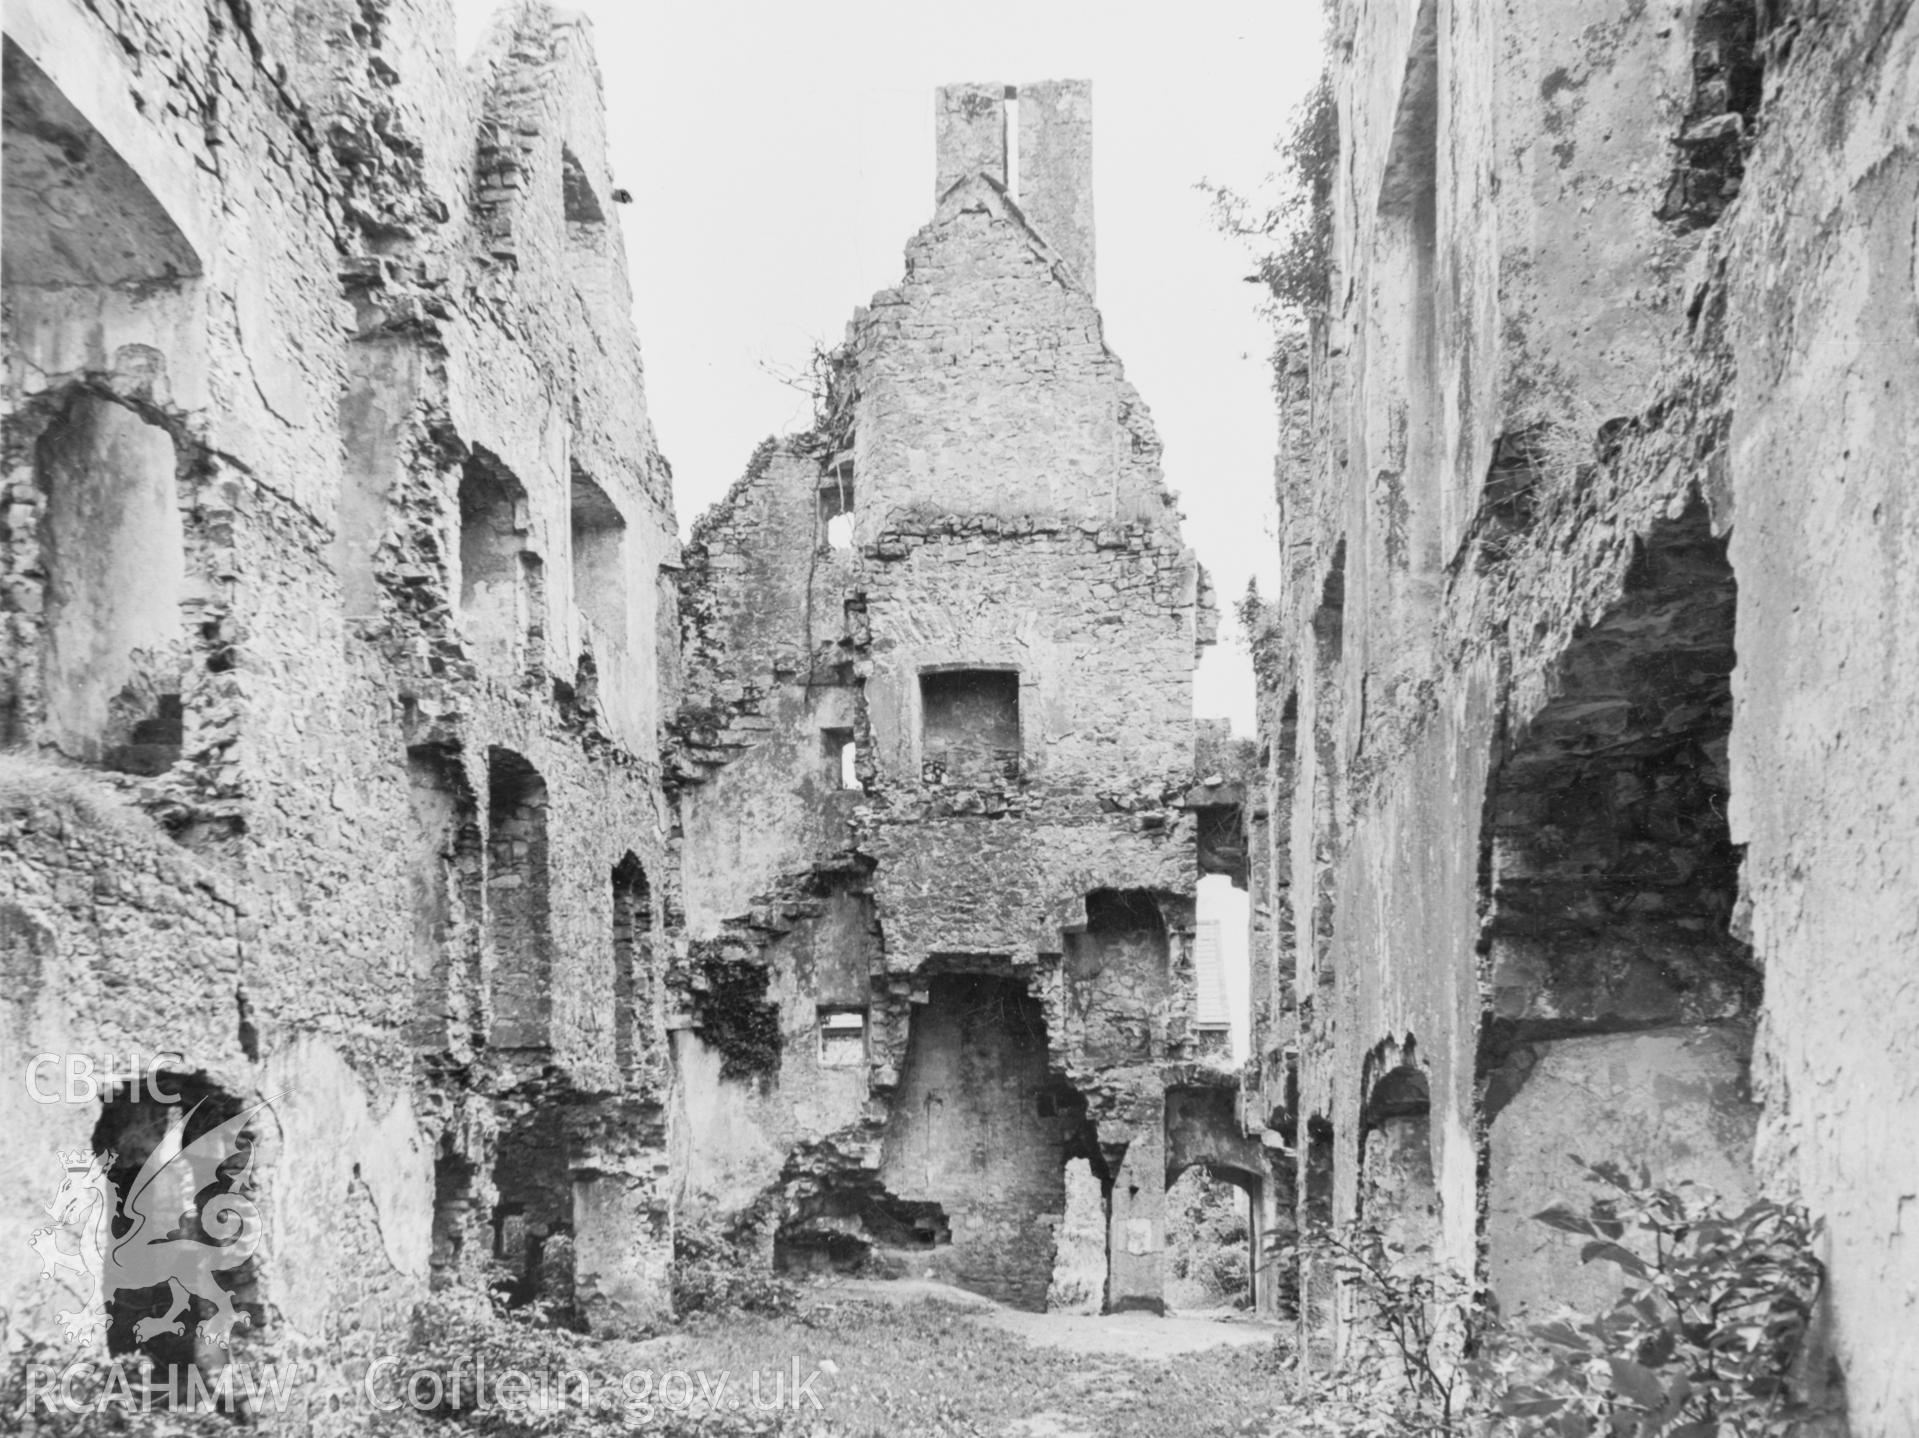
{"x": 164, "y": 1244}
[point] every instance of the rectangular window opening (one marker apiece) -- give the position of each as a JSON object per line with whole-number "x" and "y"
{"x": 842, "y": 1038}
{"x": 599, "y": 559}
{"x": 518, "y": 903}
{"x": 496, "y": 608}
{"x": 836, "y": 503}
{"x": 841, "y": 755}
{"x": 970, "y": 722}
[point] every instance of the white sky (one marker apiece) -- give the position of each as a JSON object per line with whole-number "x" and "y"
{"x": 780, "y": 155}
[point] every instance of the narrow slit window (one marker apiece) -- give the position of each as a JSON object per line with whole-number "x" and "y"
{"x": 842, "y": 1038}
{"x": 497, "y": 570}
{"x": 841, "y": 757}
{"x": 1012, "y": 141}
{"x": 836, "y": 504}
{"x": 599, "y": 559}
{"x": 582, "y": 207}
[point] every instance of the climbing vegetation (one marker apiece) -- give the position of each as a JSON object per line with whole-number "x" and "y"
{"x": 734, "y": 1016}
{"x": 1288, "y": 220}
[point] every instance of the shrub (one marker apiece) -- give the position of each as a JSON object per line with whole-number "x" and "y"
{"x": 716, "y": 1273}
{"x": 1207, "y": 1240}
{"x": 1402, "y": 1373}
{"x": 474, "y": 1340}
{"x": 1704, "y": 1338}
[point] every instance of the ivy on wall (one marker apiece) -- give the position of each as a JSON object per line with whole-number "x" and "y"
{"x": 733, "y": 1015}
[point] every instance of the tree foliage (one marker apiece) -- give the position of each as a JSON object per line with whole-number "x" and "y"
{"x": 1289, "y": 221}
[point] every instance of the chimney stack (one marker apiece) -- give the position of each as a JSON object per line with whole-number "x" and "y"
{"x": 1055, "y": 156}
{"x": 1056, "y": 168}
{"x": 971, "y": 139}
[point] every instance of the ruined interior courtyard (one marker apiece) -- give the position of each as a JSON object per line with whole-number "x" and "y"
{"x": 539, "y": 893}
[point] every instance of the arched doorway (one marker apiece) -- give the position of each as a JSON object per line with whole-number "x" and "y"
{"x": 1211, "y": 1257}
{"x": 1214, "y": 1231}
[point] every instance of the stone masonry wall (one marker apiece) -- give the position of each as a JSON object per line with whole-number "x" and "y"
{"x": 1619, "y": 357}
{"x": 377, "y": 269}
{"x": 1010, "y": 535}
{"x": 1821, "y": 285}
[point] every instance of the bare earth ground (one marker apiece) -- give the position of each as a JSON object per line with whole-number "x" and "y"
{"x": 919, "y": 1358}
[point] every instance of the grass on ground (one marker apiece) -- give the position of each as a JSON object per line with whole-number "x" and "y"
{"x": 936, "y": 1370}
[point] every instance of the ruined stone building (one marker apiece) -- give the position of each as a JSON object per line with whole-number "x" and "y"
{"x": 381, "y": 777}
{"x": 938, "y": 858}
{"x": 1588, "y": 707}
{"x": 336, "y": 568}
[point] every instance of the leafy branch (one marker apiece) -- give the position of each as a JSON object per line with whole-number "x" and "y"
{"x": 1704, "y": 1340}
{"x": 1290, "y": 223}
{"x": 1705, "y": 1335}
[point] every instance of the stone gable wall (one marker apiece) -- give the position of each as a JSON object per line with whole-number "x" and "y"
{"x": 1008, "y": 516}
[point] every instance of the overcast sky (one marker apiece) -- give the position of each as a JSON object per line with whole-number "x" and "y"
{"x": 780, "y": 154}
